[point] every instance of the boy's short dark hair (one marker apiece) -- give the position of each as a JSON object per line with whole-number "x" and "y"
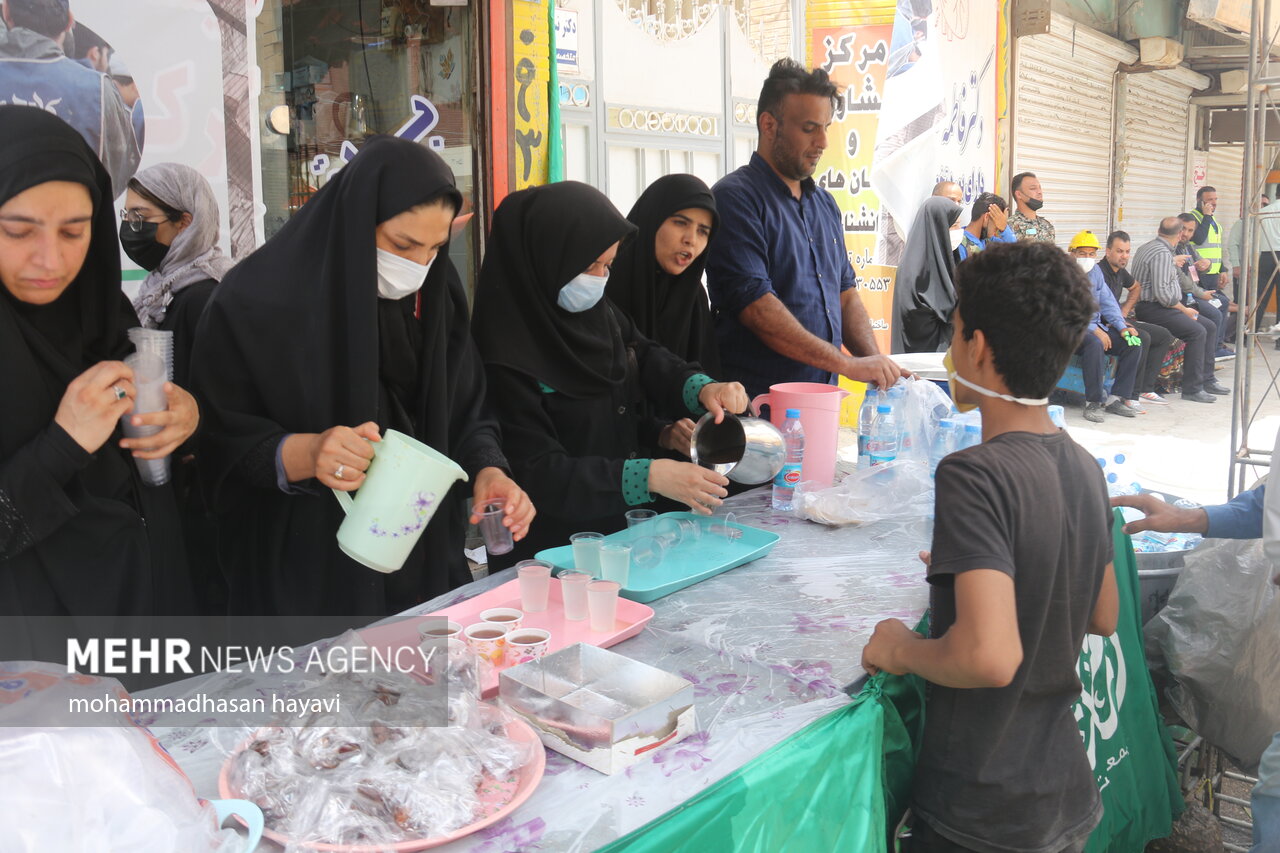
{"x": 1016, "y": 183}
{"x": 1033, "y": 304}
{"x": 1117, "y": 235}
{"x": 46, "y": 17}
{"x": 985, "y": 202}
{"x": 788, "y": 77}
{"x": 1200, "y": 193}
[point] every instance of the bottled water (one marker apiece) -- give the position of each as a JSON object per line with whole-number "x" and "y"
{"x": 866, "y": 416}
{"x": 971, "y": 437}
{"x": 885, "y": 436}
{"x": 944, "y": 441}
{"x": 898, "y": 400}
{"x": 784, "y": 485}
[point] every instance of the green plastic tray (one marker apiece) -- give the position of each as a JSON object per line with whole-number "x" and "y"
{"x": 685, "y": 564}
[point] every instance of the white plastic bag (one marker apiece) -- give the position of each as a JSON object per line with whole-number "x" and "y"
{"x": 90, "y": 781}
{"x": 901, "y": 489}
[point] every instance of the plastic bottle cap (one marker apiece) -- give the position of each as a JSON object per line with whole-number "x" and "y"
{"x": 793, "y": 413}
{"x": 884, "y": 409}
{"x": 972, "y": 428}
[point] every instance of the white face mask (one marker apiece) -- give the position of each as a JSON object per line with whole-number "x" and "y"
{"x": 1087, "y": 264}
{"x": 957, "y": 237}
{"x": 582, "y": 293}
{"x": 399, "y": 277}
{"x": 953, "y": 376}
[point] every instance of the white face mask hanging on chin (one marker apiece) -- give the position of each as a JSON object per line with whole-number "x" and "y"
{"x": 583, "y": 292}
{"x": 399, "y": 277}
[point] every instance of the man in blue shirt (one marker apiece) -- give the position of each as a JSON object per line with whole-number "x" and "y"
{"x": 778, "y": 272}
{"x": 1109, "y": 334}
{"x": 1249, "y": 515}
{"x": 988, "y": 223}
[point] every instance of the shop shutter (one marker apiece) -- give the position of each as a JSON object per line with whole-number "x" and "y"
{"x": 1225, "y": 172}
{"x": 1152, "y": 176}
{"x": 1062, "y": 111}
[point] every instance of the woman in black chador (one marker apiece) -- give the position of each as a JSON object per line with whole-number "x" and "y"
{"x": 349, "y": 321}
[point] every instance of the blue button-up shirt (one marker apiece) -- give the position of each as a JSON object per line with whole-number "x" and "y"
{"x": 1108, "y": 313}
{"x": 971, "y": 245}
{"x": 768, "y": 241}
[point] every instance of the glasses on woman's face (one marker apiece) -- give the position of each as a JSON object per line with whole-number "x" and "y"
{"x": 135, "y": 217}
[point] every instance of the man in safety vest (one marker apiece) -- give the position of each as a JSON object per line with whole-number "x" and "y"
{"x": 1208, "y": 242}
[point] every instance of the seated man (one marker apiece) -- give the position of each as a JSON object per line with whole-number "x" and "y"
{"x": 1108, "y": 334}
{"x": 1156, "y": 340}
{"x": 1161, "y": 304}
{"x": 988, "y": 223}
{"x": 1190, "y": 267}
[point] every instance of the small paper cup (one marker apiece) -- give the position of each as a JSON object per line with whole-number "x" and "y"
{"x": 486, "y": 640}
{"x": 508, "y": 617}
{"x": 526, "y": 644}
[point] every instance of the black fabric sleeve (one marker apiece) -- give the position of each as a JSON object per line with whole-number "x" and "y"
{"x": 662, "y": 373}
{"x": 1202, "y": 231}
{"x": 971, "y": 528}
{"x": 562, "y": 484}
{"x": 475, "y": 433}
{"x": 33, "y": 499}
{"x": 257, "y": 468}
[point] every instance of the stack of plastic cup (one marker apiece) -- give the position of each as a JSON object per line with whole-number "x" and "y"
{"x": 154, "y": 341}
{"x": 148, "y": 378}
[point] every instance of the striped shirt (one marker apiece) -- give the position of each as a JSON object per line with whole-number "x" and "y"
{"x": 1153, "y": 266}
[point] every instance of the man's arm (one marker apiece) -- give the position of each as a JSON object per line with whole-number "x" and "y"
{"x": 981, "y": 649}
{"x": 119, "y": 152}
{"x": 1135, "y": 292}
{"x": 771, "y": 321}
{"x": 1106, "y": 613}
{"x": 1202, "y": 231}
{"x": 1239, "y": 518}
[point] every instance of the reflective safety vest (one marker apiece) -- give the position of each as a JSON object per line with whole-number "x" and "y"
{"x": 1211, "y": 249}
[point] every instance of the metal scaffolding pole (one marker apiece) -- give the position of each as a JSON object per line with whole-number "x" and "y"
{"x": 1261, "y": 107}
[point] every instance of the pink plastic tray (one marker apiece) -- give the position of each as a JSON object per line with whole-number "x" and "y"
{"x": 632, "y": 617}
{"x": 498, "y": 798}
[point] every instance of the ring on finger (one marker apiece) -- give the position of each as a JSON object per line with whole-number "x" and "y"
{"x": 338, "y": 473}
{"x": 119, "y": 392}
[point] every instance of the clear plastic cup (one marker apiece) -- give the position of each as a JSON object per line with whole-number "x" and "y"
{"x": 602, "y": 605}
{"x": 640, "y": 516}
{"x": 535, "y": 584}
{"x": 615, "y": 562}
{"x": 154, "y": 341}
{"x": 573, "y": 590}
{"x": 586, "y": 551}
{"x": 497, "y": 536}
{"x": 148, "y": 379}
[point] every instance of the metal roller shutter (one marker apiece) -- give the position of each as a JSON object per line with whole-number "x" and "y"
{"x": 1225, "y": 171}
{"x": 1152, "y": 176}
{"x": 1062, "y": 109}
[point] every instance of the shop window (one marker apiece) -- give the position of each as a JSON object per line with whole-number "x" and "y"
{"x": 335, "y": 72}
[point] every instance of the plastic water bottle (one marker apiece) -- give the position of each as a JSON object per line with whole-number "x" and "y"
{"x": 866, "y": 417}
{"x": 898, "y": 399}
{"x": 885, "y": 436}
{"x": 943, "y": 443}
{"x": 971, "y": 437}
{"x": 784, "y": 485}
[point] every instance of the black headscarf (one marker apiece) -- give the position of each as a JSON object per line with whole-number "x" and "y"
{"x": 541, "y": 239}
{"x": 44, "y": 347}
{"x": 672, "y": 310}
{"x": 924, "y": 294}
{"x": 309, "y": 337}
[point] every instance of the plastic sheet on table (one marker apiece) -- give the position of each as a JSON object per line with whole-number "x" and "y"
{"x": 1219, "y": 636}
{"x": 901, "y": 489}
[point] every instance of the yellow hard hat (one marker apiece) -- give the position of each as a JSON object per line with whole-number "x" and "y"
{"x": 1084, "y": 238}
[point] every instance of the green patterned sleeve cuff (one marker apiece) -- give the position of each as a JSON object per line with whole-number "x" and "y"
{"x": 692, "y": 388}
{"x": 635, "y": 482}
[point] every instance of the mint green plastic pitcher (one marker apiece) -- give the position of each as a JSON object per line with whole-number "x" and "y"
{"x": 402, "y": 489}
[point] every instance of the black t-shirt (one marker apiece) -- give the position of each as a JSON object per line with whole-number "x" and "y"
{"x": 1117, "y": 280}
{"x": 1003, "y": 770}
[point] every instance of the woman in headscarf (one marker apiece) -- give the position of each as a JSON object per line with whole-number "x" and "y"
{"x": 349, "y": 321}
{"x": 79, "y": 532}
{"x": 924, "y": 294}
{"x": 170, "y": 229}
{"x": 657, "y": 282}
{"x": 567, "y": 370}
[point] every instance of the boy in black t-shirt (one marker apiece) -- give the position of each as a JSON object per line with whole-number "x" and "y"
{"x": 1020, "y": 569}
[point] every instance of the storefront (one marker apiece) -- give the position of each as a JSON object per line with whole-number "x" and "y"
{"x": 336, "y": 71}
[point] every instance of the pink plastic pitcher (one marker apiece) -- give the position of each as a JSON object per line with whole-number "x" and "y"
{"x": 819, "y": 407}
